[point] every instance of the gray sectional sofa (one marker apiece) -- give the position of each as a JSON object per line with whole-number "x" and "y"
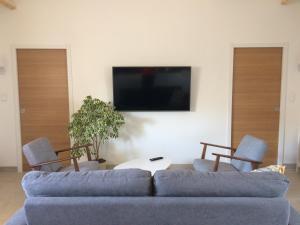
{"x": 134, "y": 197}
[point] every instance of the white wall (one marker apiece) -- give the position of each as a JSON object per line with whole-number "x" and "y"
{"x": 200, "y": 33}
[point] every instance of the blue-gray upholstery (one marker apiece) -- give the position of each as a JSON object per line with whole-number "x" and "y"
{"x": 294, "y": 217}
{"x": 250, "y": 148}
{"x": 188, "y": 183}
{"x": 83, "y": 167}
{"x": 127, "y": 182}
{"x": 156, "y": 211}
{"x": 19, "y": 218}
{"x": 40, "y": 150}
{"x": 204, "y": 165}
{"x": 130, "y": 201}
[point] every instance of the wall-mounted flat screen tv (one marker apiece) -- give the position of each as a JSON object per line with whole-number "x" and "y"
{"x": 152, "y": 88}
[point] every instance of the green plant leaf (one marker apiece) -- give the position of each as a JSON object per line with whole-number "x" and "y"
{"x": 95, "y": 122}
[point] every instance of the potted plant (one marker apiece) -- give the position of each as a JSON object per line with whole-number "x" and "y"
{"x": 95, "y": 122}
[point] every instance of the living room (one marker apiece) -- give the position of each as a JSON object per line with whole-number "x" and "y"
{"x": 212, "y": 43}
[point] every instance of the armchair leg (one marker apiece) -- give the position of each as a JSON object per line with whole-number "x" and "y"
{"x": 38, "y": 168}
{"x": 217, "y": 163}
{"x": 76, "y": 167}
{"x": 204, "y": 151}
{"x": 254, "y": 166}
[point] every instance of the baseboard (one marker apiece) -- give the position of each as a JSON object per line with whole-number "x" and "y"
{"x": 290, "y": 166}
{"x": 9, "y": 169}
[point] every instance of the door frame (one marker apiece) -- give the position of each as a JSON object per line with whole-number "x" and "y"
{"x": 283, "y": 91}
{"x": 16, "y": 91}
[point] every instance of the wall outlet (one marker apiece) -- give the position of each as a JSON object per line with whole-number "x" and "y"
{"x": 3, "y": 97}
{"x": 292, "y": 97}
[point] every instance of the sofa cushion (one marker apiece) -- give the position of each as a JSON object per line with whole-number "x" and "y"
{"x": 205, "y": 165}
{"x": 188, "y": 183}
{"x": 128, "y": 182}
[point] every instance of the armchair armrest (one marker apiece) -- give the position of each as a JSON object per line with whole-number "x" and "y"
{"x": 217, "y": 146}
{"x": 38, "y": 166}
{"x": 254, "y": 163}
{"x": 77, "y": 147}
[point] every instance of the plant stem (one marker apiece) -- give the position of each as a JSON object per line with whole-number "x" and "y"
{"x": 97, "y": 147}
{"x": 94, "y": 144}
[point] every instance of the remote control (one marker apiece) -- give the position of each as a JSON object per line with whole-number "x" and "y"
{"x": 157, "y": 158}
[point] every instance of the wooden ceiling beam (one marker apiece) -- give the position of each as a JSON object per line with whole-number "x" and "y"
{"x": 284, "y": 2}
{"x": 9, "y": 4}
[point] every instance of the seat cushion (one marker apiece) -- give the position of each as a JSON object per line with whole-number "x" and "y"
{"x": 83, "y": 167}
{"x": 251, "y": 148}
{"x": 128, "y": 182}
{"x": 204, "y": 165}
{"x": 189, "y": 183}
{"x": 40, "y": 150}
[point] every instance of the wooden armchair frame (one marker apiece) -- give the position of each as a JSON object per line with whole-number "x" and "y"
{"x": 74, "y": 159}
{"x": 254, "y": 163}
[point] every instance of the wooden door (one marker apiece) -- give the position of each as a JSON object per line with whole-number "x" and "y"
{"x": 256, "y": 96}
{"x": 43, "y": 96}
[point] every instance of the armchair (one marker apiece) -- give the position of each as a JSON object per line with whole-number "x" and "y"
{"x": 246, "y": 157}
{"x": 41, "y": 156}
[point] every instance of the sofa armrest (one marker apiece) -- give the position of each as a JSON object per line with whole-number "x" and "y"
{"x": 19, "y": 218}
{"x": 294, "y": 217}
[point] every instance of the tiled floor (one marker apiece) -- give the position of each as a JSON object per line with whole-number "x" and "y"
{"x": 12, "y": 196}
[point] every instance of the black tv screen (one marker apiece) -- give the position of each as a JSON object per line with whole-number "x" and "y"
{"x": 152, "y": 88}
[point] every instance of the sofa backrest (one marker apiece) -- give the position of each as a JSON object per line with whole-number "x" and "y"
{"x": 187, "y": 183}
{"x": 156, "y": 211}
{"x": 182, "y": 198}
{"x": 128, "y": 182}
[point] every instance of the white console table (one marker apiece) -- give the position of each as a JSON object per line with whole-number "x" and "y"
{"x": 145, "y": 164}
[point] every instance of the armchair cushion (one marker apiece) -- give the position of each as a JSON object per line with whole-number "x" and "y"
{"x": 40, "y": 150}
{"x": 83, "y": 167}
{"x": 251, "y": 148}
{"x": 204, "y": 165}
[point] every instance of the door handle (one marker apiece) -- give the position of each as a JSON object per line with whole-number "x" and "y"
{"x": 277, "y": 109}
{"x": 22, "y": 110}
